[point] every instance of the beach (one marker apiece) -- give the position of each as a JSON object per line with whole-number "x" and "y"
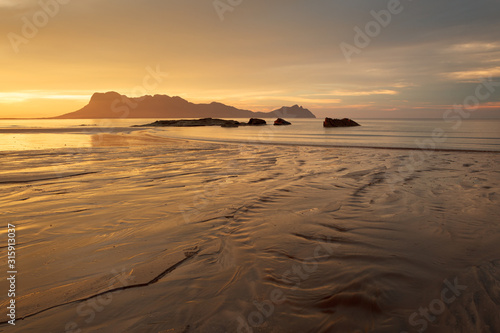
{"x": 142, "y": 233}
{"x": 235, "y": 166}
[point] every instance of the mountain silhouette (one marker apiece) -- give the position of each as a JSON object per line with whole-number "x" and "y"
{"x": 113, "y": 105}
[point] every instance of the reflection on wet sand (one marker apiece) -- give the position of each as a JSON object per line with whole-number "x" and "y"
{"x": 127, "y": 140}
{"x": 203, "y": 237}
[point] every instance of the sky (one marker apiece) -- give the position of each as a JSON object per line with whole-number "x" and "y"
{"x": 339, "y": 58}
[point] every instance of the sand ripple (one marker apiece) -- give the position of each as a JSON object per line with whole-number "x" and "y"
{"x": 200, "y": 237}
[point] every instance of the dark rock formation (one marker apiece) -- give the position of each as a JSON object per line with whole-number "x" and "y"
{"x": 293, "y": 112}
{"x": 281, "y": 121}
{"x": 231, "y": 124}
{"x": 194, "y": 122}
{"x": 112, "y": 105}
{"x": 256, "y": 122}
{"x": 345, "y": 122}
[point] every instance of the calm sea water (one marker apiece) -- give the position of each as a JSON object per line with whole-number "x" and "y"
{"x": 481, "y": 134}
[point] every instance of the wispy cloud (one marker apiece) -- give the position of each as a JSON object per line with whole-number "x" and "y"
{"x": 8, "y": 3}
{"x": 22, "y": 96}
{"x": 433, "y": 54}
{"x": 354, "y": 93}
{"x": 473, "y": 47}
{"x": 363, "y": 93}
{"x": 473, "y": 75}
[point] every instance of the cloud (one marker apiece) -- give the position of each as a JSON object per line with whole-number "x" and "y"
{"x": 473, "y": 75}
{"x": 23, "y": 96}
{"x": 473, "y": 47}
{"x": 263, "y": 53}
{"x": 363, "y": 93}
{"x": 9, "y": 3}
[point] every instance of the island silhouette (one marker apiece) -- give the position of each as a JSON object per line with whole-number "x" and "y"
{"x": 111, "y": 105}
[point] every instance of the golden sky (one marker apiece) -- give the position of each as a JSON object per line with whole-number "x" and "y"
{"x": 416, "y": 59}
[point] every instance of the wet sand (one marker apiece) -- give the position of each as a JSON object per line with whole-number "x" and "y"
{"x": 146, "y": 234}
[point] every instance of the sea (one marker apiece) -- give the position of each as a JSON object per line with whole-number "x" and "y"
{"x": 118, "y": 229}
{"x": 468, "y": 135}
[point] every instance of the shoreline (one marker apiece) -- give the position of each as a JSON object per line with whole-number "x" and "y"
{"x": 143, "y": 139}
{"x": 340, "y": 146}
{"x": 394, "y": 135}
{"x": 212, "y": 217}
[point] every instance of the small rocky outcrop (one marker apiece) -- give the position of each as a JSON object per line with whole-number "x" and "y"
{"x": 280, "y": 121}
{"x": 256, "y": 122}
{"x": 231, "y": 124}
{"x": 194, "y": 122}
{"x": 345, "y": 122}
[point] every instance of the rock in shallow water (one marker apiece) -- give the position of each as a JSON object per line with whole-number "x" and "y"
{"x": 256, "y": 121}
{"x": 194, "y": 122}
{"x": 281, "y": 121}
{"x": 204, "y": 122}
{"x": 345, "y": 122}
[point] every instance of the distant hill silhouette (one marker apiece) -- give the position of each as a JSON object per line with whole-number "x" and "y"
{"x": 114, "y": 105}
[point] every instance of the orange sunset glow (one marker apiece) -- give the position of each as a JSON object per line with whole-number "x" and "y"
{"x": 250, "y": 166}
{"x": 254, "y": 55}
